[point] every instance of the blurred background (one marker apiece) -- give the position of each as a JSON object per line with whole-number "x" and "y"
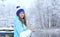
{"x": 43, "y": 15}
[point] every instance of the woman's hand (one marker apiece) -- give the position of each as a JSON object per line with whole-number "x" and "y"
{"x": 30, "y": 27}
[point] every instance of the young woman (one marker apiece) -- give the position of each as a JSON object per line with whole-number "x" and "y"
{"x": 20, "y": 26}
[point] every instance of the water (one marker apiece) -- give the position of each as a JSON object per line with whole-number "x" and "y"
{"x": 46, "y": 33}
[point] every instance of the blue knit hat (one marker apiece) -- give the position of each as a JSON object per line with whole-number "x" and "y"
{"x": 19, "y": 11}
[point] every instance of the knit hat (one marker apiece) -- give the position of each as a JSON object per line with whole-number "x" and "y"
{"x": 19, "y": 11}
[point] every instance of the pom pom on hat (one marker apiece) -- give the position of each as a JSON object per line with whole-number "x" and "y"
{"x": 18, "y": 7}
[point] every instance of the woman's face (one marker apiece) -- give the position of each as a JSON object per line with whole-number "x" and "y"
{"x": 21, "y": 15}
